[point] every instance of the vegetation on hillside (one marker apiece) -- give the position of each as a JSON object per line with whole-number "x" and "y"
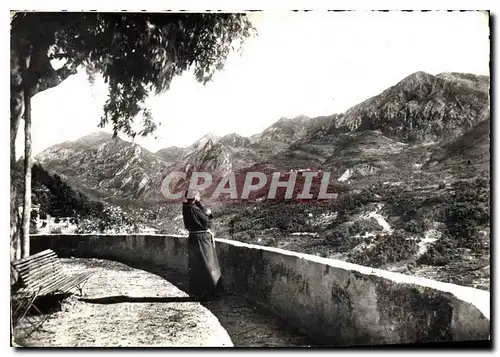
{"x": 342, "y": 225}
{"x": 400, "y": 205}
{"x": 56, "y": 199}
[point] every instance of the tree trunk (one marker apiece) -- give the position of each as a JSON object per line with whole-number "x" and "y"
{"x": 16, "y": 113}
{"x": 25, "y": 238}
{"x": 15, "y": 237}
{"x": 31, "y": 73}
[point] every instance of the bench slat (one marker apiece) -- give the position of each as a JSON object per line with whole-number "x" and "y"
{"x": 47, "y": 257}
{"x": 49, "y": 287}
{"x": 24, "y": 271}
{"x": 45, "y": 286}
{"x": 53, "y": 285}
{"x": 29, "y": 275}
{"x": 80, "y": 279}
{"x": 38, "y": 263}
{"x": 43, "y": 273}
{"x": 35, "y": 271}
{"x": 35, "y": 261}
{"x": 34, "y": 256}
{"x": 49, "y": 279}
{"x": 66, "y": 287}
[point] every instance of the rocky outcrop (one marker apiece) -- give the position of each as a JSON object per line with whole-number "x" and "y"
{"x": 423, "y": 107}
{"x": 171, "y": 154}
{"x": 285, "y": 130}
{"x": 235, "y": 141}
{"x": 113, "y": 166}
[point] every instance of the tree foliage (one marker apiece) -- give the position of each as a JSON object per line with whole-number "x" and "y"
{"x": 136, "y": 53}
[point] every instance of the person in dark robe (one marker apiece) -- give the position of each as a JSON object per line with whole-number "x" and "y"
{"x": 204, "y": 269}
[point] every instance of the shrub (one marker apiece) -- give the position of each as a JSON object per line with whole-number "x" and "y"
{"x": 415, "y": 226}
{"x": 387, "y": 249}
{"x": 340, "y": 235}
{"x": 406, "y": 207}
{"x": 88, "y": 226}
{"x": 55, "y": 230}
{"x": 242, "y": 226}
{"x": 348, "y": 204}
{"x": 482, "y": 183}
{"x": 323, "y": 253}
{"x": 365, "y": 226}
{"x": 246, "y": 237}
{"x": 462, "y": 221}
{"x": 434, "y": 256}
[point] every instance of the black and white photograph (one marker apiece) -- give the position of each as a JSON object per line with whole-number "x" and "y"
{"x": 271, "y": 179}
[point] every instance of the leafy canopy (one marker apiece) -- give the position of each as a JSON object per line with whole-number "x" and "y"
{"x": 136, "y": 53}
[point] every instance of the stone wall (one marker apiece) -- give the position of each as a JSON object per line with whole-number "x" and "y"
{"x": 335, "y": 302}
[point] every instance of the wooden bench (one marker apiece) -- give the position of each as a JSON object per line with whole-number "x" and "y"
{"x": 39, "y": 275}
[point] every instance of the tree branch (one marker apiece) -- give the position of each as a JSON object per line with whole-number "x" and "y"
{"x": 54, "y": 79}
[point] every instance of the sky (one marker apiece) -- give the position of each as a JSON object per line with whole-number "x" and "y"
{"x": 315, "y": 63}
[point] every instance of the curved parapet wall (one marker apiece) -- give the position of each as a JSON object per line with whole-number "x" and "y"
{"x": 334, "y": 302}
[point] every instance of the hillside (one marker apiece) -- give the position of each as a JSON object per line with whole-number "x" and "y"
{"x": 57, "y": 207}
{"x": 411, "y": 167}
{"x": 424, "y": 107}
{"x": 107, "y": 167}
{"x": 466, "y": 156}
{"x": 235, "y": 152}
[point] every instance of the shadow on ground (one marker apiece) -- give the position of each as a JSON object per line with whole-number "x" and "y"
{"x": 124, "y": 298}
{"x": 248, "y": 324}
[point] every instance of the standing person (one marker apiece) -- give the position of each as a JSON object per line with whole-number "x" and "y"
{"x": 204, "y": 268}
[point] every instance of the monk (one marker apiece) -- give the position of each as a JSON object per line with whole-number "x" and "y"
{"x": 204, "y": 268}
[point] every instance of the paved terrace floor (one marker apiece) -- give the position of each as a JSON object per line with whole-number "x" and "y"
{"x": 124, "y": 306}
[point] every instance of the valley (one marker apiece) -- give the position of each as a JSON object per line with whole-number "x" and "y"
{"x": 411, "y": 167}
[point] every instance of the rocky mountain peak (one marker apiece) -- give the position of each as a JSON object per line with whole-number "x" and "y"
{"x": 95, "y": 138}
{"x": 201, "y": 142}
{"x": 423, "y": 107}
{"x": 235, "y": 140}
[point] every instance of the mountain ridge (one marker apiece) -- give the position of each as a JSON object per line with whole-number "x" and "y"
{"x": 410, "y": 166}
{"x": 417, "y": 104}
